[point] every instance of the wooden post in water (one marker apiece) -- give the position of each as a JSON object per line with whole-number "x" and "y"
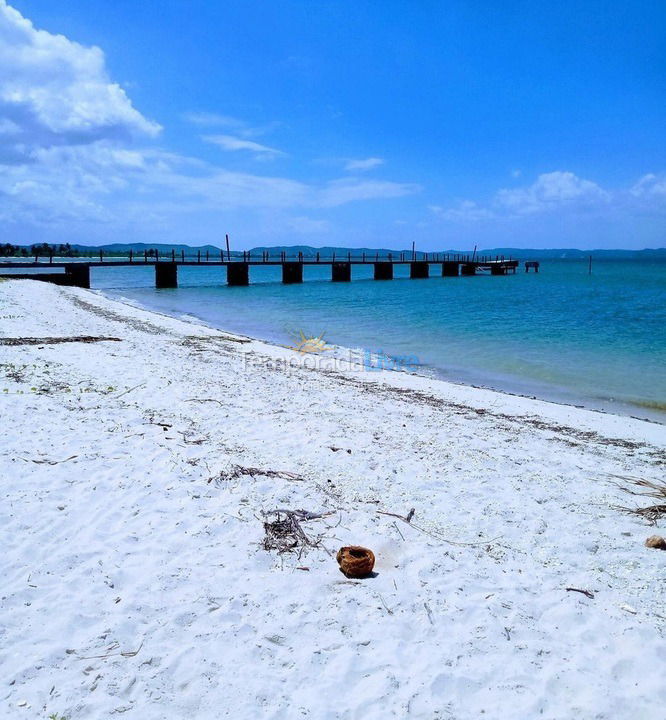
{"x": 238, "y": 273}
{"x": 383, "y": 271}
{"x": 341, "y": 271}
{"x": 589, "y": 270}
{"x": 166, "y": 275}
{"x": 292, "y": 272}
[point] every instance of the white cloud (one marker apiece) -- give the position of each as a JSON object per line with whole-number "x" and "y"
{"x": 339, "y": 192}
{"x": 465, "y": 210}
{"x": 107, "y": 183}
{"x": 71, "y": 166}
{"x": 650, "y": 186}
{"x": 55, "y": 92}
{"x": 550, "y": 191}
{"x": 239, "y": 127}
{"x": 208, "y": 119}
{"x": 231, "y": 143}
{"x": 362, "y": 165}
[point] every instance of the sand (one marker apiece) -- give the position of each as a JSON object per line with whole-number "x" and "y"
{"x": 134, "y": 581}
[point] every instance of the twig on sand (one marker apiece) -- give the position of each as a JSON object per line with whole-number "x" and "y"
{"x": 136, "y": 387}
{"x": 587, "y": 593}
{"x": 429, "y": 611}
{"x": 386, "y": 607}
{"x": 405, "y": 518}
{"x": 49, "y": 462}
{"x": 127, "y": 654}
{"x": 203, "y": 400}
{"x": 408, "y": 520}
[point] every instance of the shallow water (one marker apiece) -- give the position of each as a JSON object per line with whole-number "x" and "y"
{"x": 561, "y": 334}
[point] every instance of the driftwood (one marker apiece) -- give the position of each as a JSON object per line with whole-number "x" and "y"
{"x": 285, "y": 534}
{"x": 57, "y": 340}
{"x": 239, "y": 471}
{"x": 587, "y": 593}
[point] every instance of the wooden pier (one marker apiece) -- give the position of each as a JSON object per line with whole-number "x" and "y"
{"x": 421, "y": 266}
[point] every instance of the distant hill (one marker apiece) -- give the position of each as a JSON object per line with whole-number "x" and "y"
{"x": 518, "y": 253}
{"x": 327, "y": 251}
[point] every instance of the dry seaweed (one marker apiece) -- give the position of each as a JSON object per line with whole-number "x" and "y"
{"x": 657, "y": 490}
{"x": 284, "y": 533}
{"x": 56, "y": 340}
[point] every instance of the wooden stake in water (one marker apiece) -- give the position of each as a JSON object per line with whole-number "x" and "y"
{"x": 589, "y": 270}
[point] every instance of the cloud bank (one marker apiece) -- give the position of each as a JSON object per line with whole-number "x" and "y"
{"x": 55, "y": 92}
{"x": 76, "y": 155}
{"x": 561, "y": 193}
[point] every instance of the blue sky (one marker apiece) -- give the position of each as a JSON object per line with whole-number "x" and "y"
{"x": 450, "y": 124}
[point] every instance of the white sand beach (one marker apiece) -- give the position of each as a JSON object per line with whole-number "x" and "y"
{"x": 135, "y": 582}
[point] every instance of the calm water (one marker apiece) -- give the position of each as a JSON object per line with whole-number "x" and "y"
{"x": 598, "y": 340}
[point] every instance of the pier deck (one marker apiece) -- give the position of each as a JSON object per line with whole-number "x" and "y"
{"x": 77, "y": 272}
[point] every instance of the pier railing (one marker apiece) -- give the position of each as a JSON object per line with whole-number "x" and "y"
{"x": 77, "y": 272}
{"x": 266, "y": 257}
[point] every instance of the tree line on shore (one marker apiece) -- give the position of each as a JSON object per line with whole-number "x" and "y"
{"x": 62, "y": 250}
{"x": 57, "y": 250}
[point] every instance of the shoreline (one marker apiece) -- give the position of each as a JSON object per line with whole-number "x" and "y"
{"x": 555, "y": 395}
{"x": 139, "y": 472}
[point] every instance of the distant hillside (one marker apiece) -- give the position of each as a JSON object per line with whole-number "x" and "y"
{"x": 518, "y": 253}
{"x": 327, "y": 251}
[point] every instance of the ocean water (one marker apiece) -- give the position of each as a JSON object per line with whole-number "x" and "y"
{"x": 597, "y": 340}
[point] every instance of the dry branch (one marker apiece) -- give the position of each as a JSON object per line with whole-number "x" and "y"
{"x": 56, "y": 340}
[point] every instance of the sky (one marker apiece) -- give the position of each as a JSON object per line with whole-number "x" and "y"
{"x": 362, "y": 124}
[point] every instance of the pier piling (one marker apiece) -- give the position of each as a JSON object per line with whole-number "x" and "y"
{"x": 79, "y": 274}
{"x": 449, "y": 269}
{"x": 383, "y": 271}
{"x": 238, "y": 273}
{"x": 292, "y": 272}
{"x": 166, "y": 275}
{"x": 341, "y": 271}
{"x": 419, "y": 269}
{"x": 468, "y": 269}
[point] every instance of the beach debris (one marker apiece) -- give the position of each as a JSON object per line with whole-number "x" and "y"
{"x": 587, "y": 593}
{"x": 405, "y": 518}
{"x": 49, "y": 462}
{"x": 651, "y": 513}
{"x": 656, "y": 541}
{"x": 355, "y": 561}
{"x": 628, "y": 608}
{"x": 284, "y": 532}
{"x": 239, "y": 471}
{"x": 56, "y": 340}
{"x": 125, "y": 654}
{"x": 429, "y": 612}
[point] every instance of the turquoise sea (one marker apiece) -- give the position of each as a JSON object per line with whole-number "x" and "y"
{"x": 598, "y": 340}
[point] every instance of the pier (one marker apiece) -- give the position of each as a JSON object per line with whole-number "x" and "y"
{"x": 421, "y": 266}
